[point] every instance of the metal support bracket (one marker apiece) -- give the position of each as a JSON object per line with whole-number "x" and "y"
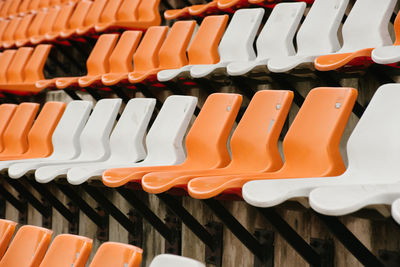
{"x": 267, "y": 240}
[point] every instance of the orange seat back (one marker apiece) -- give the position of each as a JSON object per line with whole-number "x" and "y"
{"x": 6, "y": 113}
{"x": 7, "y": 229}
{"x": 6, "y": 59}
{"x": 94, "y": 13}
{"x": 121, "y": 57}
{"x": 128, "y": 10}
{"x": 44, "y": 3}
{"x": 146, "y": 56}
{"x": 204, "y": 47}
{"x": 3, "y": 27}
{"x": 34, "y": 68}
{"x": 9, "y": 32}
{"x": 98, "y": 61}
{"x": 79, "y": 15}
{"x": 206, "y": 142}
{"x": 24, "y": 6}
{"x": 5, "y": 8}
{"x": 28, "y": 247}
{"x": 109, "y": 13}
{"x": 13, "y": 9}
{"x": 68, "y": 250}
{"x": 63, "y": 17}
{"x": 148, "y": 12}
{"x": 15, "y": 73}
{"x": 172, "y": 53}
{"x": 311, "y": 150}
{"x": 49, "y": 20}
{"x": 33, "y": 29}
{"x": 397, "y": 30}
{"x": 20, "y": 33}
{"x": 117, "y": 255}
{"x": 34, "y": 5}
{"x": 15, "y": 138}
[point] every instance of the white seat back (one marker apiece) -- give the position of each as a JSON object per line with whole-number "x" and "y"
{"x": 165, "y": 138}
{"x": 276, "y": 38}
{"x": 126, "y": 141}
{"x": 167, "y": 260}
{"x": 318, "y": 33}
{"x": 367, "y": 25}
{"x": 374, "y": 145}
{"x": 238, "y": 39}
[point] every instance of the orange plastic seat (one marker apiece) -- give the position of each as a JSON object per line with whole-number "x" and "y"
{"x": 39, "y": 137}
{"x": 5, "y": 8}
{"x": 34, "y": 5}
{"x": 47, "y": 25}
{"x": 97, "y": 63}
{"x": 6, "y": 58}
{"x": 120, "y": 60}
{"x": 8, "y": 34}
{"x": 93, "y": 16}
{"x": 6, "y": 113}
{"x": 3, "y": 26}
{"x": 68, "y": 250}
{"x": 14, "y": 72}
{"x": 27, "y": 248}
{"x": 310, "y": 147}
{"x": 13, "y": 9}
{"x": 33, "y": 29}
{"x": 177, "y": 13}
{"x": 61, "y": 23}
{"x": 20, "y": 32}
{"x": 7, "y": 229}
{"x": 24, "y": 7}
{"x": 201, "y": 10}
{"x": 254, "y": 144}
{"x": 44, "y": 3}
{"x": 77, "y": 18}
{"x": 145, "y": 58}
{"x": 205, "y": 142}
{"x": 172, "y": 54}
{"x": 117, "y": 255}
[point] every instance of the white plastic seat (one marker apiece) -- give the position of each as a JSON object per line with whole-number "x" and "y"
{"x": 164, "y": 140}
{"x": 237, "y": 42}
{"x": 65, "y": 140}
{"x": 94, "y": 141}
{"x": 275, "y": 39}
{"x": 126, "y": 141}
{"x": 396, "y": 210}
{"x": 168, "y": 260}
{"x": 316, "y": 36}
{"x": 373, "y": 151}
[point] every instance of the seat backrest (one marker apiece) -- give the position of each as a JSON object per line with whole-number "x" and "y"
{"x": 319, "y": 32}
{"x": 122, "y": 55}
{"x": 98, "y": 61}
{"x": 3, "y": 27}
{"x": 34, "y": 5}
{"x": 172, "y": 53}
{"x": 20, "y": 33}
{"x": 63, "y": 17}
{"x": 396, "y": 29}
{"x": 148, "y": 11}
{"x": 15, "y": 73}
{"x": 4, "y": 9}
{"x": 206, "y": 142}
{"x": 34, "y": 67}
{"x": 128, "y": 11}
{"x": 109, "y": 13}
{"x": 146, "y": 56}
{"x": 237, "y": 42}
{"x": 126, "y": 140}
{"x": 165, "y": 137}
{"x": 39, "y": 137}
{"x": 49, "y": 20}
{"x": 7, "y": 229}
{"x": 6, "y": 113}
{"x": 78, "y": 17}
{"x": 204, "y": 46}
{"x": 24, "y": 6}
{"x": 13, "y": 9}
{"x": 94, "y": 140}
{"x": 44, "y": 3}
{"x": 68, "y": 250}
{"x": 117, "y": 255}
{"x": 373, "y": 146}
{"x": 276, "y": 37}
{"x": 311, "y": 146}
{"x": 367, "y": 27}
{"x": 15, "y": 138}
{"x": 168, "y": 260}
{"x": 28, "y": 247}
{"x": 6, "y": 59}
{"x": 37, "y": 21}
{"x": 93, "y": 14}
{"x": 9, "y": 32}
{"x": 254, "y": 143}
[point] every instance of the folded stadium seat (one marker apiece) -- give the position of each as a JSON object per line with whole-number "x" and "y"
{"x": 26, "y": 69}
{"x": 163, "y": 142}
{"x": 396, "y": 210}
{"x": 33, "y": 29}
{"x": 256, "y": 138}
{"x": 203, "y": 48}
{"x": 310, "y": 147}
{"x": 13, "y": 9}
{"x": 318, "y": 35}
{"x": 61, "y": 22}
{"x": 145, "y": 58}
{"x": 5, "y": 8}
{"x": 34, "y": 6}
{"x": 94, "y": 141}
{"x": 148, "y": 15}
{"x": 6, "y": 113}
{"x": 27, "y": 248}
{"x": 16, "y": 61}
{"x": 47, "y": 25}
{"x": 6, "y": 58}
{"x": 275, "y": 39}
{"x": 365, "y": 28}
{"x": 168, "y": 260}
{"x": 126, "y": 141}
{"x": 9, "y": 32}
{"x": 205, "y": 149}
{"x": 365, "y": 184}
{"x": 65, "y": 139}
{"x": 3, "y": 26}
{"x": 8, "y": 38}
{"x": 67, "y": 251}
{"x": 7, "y": 229}
{"x": 77, "y": 18}
{"x": 23, "y": 7}
{"x": 237, "y": 42}
{"x": 117, "y": 255}
{"x": 44, "y": 4}
{"x": 120, "y": 60}
{"x": 172, "y": 54}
